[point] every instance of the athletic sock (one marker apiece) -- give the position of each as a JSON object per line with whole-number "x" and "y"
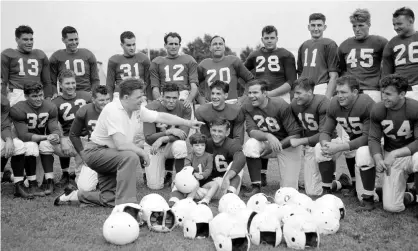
{"x": 254, "y": 169}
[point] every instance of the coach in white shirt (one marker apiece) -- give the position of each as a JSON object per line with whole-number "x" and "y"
{"x": 111, "y": 151}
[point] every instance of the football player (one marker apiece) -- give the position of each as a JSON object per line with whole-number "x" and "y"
{"x": 68, "y": 104}
{"x": 36, "y": 124}
{"x": 311, "y": 110}
{"x": 351, "y": 110}
{"x": 270, "y": 125}
{"x": 361, "y": 55}
{"x": 167, "y": 141}
{"x": 399, "y": 55}
{"x": 396, "y": 120}
{"x": 175, "y": 68}
{"x": 22, "y": 65}
{"x": 276, "y": 65}
{"x": 219, "y": 108}
{"x": 220, "y": 67}
{"x": 127, "y": 65}
{"x": 228, "y": 161}
{"x": 81, "y": 61}
{"x": 318, "y": 57}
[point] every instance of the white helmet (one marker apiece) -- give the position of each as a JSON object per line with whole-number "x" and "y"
{"x": 120, "y": 228}
{"x": 183, "y": 208}
{"x": 295, "y": 211}
{"x": 266, "y": 228}
{"x": 258, "y": 202}
{"x": 228, "y": 233}
{"x": 284, "y": 194}
{"x": 245, "y": 216}
{"x": 184, "y": 181}
{"x": 300, "y": 232}
{"x": 131, "y": 206}
{"x": 301, "y": 200}
{"x": 196, "y": 225}
{"x": 326, "y": 219}
{"x": 333, "y": 202}
{"x": 156, "y": 213}
{"x": 225, "y": 200}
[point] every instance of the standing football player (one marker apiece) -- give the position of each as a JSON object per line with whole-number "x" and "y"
{"x": 22, "y": 65}
{"x": 68, "y": 104}
{"x": 167, "y": 141}
{"x": 81, "y": 61}
{"x": 396, "y": 120}
{"x": 311, "y": 110}
{"x": 220, "y": 67}
{"x": 270, "y": 125}
{"x": 276, "y": 65}
{"x": 399, "y": 55}
{"x": 175, "y": 68}
{"x": 351, "y": 110}
{"x": 218, "y": 108}
{"x": 36, "y": 123}
{"x": 361, "y": 55}
{"x": 318, "y": 57}
{"x": 130, "y": 64}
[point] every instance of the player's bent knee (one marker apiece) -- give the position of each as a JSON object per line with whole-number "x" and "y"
{"x": 32, "y": 149}
{"x": 363, "y": 157}
{"x": 46, "y": 148}
{"x": 252, "y": 148}
{"x": 19, "y": 147}
{"x": 415, "y": 163}
{"x": 319, "y": 157}
{"x": 179, "y": 149}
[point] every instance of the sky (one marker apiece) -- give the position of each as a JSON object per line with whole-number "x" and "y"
{"x": 100, "y": 23}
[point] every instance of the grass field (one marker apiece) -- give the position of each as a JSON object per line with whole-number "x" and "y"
{"x": 38, "y": 225}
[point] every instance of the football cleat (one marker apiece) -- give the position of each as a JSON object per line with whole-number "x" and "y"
{"x": 120, "y": 228}
{"x": 350, "y": 192}
{"x": 255, "y": 189}
{"x": 21, "y": 191}
{"x": 7, "y": 177}
{"x": 64, "y": 181}
{"x": 35, "y": 189}
{"x": 49, "y": 186}
{"x": 67, "y": 191}
{"x": 367, "y": 204}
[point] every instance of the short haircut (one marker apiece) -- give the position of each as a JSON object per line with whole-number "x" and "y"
{"x": 263, "y": 84}
{"x": 170, "y": 87}
{"x": 102, "y": 89}
{"x": 127, "y": 35}
{"x": 66, "y": 73}
{"x": 23, "y": 29}
{"x": 395, "y": 80}
{"x": 32, "y": 87}
{"x": 404, "y": 11}
{"x": 361, "y": 15}
{"x": 128, "y": 86}
{"x": 317, "y": 16}
{"x": 352, "y": 82}
{"x": 197, "y": 138}
{"x": 269, "y": 29}
{"x": 218, "y": 84}
{"x": 304, "y": 83}
{"x": 220, "y": 122}
{"x": 68, "y": 30}
{"x": 223, "y": 39}
{"x": 172, "y": 34}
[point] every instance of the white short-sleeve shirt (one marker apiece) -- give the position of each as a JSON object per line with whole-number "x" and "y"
{"x": 114, "y": 119}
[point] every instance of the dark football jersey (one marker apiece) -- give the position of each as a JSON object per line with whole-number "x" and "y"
{"x": 232, "y": 112}
{"x": 277, "y": 67}
{"x": 29, "y": 120}
{"x": 229, "y": 69}
{"x": 18, "y": 68}
{"x": 230, "y": 150}
{"x": 400, "y": 56}
{"x": 312, "y": 117}
{"x": 153, "y": 131}
{"x": 362, "y": 59}
{"x": 181, "y": 70}
{"x": 83, "y": 63}
{"x": 399, "y": 128}
{"x": 85, "y": 120}
{"x": 121, "y": 67}
{"x": 316, "y": 58}
{"x": 355, "y": 120}
{"x": 67, "y": 109}
{"x": 276, "y": 118}
{"x": 5, "y": 119}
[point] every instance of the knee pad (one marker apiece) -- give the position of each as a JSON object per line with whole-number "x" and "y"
{"x": 45, "y": 147}
{"x": 363, "y": 157}
{"x": 88, "y": 179}
{"x": 318, "y": 154}
{"x": 19, "y": 147}
{"x": 252, "y": 148}
{"x": 179, "y": 149}
{"x": 32, "y": 149}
